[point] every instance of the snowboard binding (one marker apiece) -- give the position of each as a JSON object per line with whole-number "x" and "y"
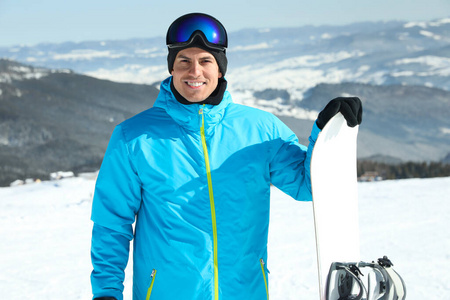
{"x": 364, "y": 281}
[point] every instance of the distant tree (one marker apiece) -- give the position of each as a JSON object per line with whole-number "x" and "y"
{"x": 404, "y": 170}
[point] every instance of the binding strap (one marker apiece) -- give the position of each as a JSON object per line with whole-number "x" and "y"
{"x": 358, "y": 281}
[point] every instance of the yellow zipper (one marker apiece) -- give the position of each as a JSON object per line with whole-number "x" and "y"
{"x": 149, "y": 291}
{"x": 265, "y": 278}
{"x": 213, "y": 209}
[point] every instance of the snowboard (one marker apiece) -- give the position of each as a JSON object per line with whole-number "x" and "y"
{"x": 335, "y": 196}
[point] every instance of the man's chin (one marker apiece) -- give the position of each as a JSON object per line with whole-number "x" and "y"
{"x": 195, "y": 98}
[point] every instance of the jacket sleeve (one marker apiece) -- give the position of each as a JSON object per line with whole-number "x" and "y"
{"x": 116, "y": 201}
{"x": 290, "y": 166}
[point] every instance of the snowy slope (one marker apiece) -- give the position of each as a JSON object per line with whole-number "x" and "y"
{"x": 45, "y": 239}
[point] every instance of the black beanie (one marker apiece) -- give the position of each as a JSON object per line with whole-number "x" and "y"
{"x": 219, "y": 55}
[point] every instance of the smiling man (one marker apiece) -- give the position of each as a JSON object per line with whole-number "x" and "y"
{"x": 195, "y": 74}
{"x": 193, "y": 173}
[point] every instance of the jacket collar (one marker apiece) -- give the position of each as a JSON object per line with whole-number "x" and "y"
{"x": 188, "y": 116}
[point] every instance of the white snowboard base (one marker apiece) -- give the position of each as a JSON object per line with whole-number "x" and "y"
{"x": 335, "y": 196}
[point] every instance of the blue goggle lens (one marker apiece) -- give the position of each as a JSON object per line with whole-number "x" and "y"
{"x": 184, "y": 27}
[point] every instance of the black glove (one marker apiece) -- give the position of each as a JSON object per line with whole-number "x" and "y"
{"x": 349, "y": 107}
{"x": 105, "y": 298}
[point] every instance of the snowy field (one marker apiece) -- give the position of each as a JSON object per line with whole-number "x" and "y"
{"x": 45, "y": 239}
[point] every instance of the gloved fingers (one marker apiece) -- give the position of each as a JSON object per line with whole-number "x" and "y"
{"x": 360, "y": 112}
{"x": 330, "y": 110}
{"x": 333, "y": 107}
{"x": 351, "y": 109}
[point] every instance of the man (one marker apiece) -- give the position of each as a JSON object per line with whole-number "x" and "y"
{"x": 194, "y": 171}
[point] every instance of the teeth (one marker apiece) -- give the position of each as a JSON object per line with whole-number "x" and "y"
{"x": 195, "y": 84}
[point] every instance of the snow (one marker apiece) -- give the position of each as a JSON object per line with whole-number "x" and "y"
{"x": 430, "y": 35}
{"x": 45, "y": 230}
{"x": 298, "y": 73}
{"x": 132, "y": 73}
{"x": 18, "y": 73}
{"x": 147, "y": 51}
{"x": 437, "y": 65}
{"x": 437, "y": 23}
{"x": 275, "y": 106}
{"x": 252, "y": 47}
{"x": 86, "y": 54}
{"x": 445, "y": 130}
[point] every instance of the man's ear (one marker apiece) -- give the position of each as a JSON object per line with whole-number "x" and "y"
{"x": 220, "y": 75}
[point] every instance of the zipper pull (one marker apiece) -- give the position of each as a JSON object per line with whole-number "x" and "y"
{"x": 263, "y": 265}
{"x": 200, "y": 111}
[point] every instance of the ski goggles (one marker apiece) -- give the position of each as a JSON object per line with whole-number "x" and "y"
{"x": 184, "y": 29}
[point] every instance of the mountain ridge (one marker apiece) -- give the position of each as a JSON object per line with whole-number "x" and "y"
{"x": 60, "y": 121}
{"x": 400, "y": 71}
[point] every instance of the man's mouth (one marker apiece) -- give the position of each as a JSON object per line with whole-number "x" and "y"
{"x": 194, "y": 84}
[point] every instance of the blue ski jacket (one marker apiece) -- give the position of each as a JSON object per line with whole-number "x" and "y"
{"x": 195, "y": 180}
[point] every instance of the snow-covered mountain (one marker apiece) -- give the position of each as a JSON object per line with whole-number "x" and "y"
{"x": 294, "y": 59}
{"x": 400, "y": 70}
{"x": 54, "y": 120}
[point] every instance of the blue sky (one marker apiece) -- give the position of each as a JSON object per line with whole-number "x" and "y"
{"x": 29, "y": 22}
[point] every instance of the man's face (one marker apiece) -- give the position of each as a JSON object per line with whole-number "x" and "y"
{"x": 195, "y": 74}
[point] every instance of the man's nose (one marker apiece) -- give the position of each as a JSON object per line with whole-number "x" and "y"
{"x": 195, "y": 69}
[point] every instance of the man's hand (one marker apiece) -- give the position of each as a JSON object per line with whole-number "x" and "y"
{"x": 349, "y": 107}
